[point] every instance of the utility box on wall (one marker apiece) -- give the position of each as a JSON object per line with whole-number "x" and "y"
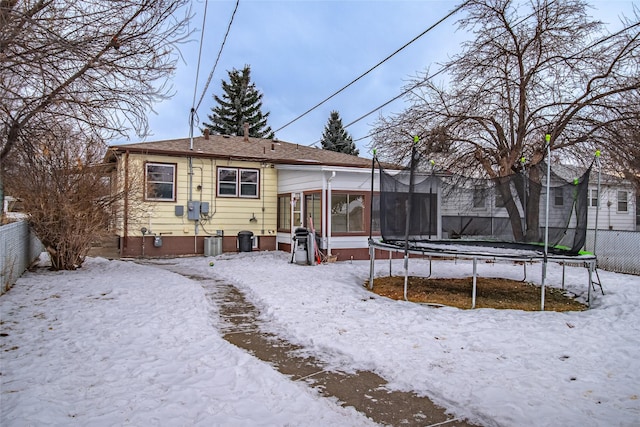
{"x": 204, "y": 208}
{"x": 193, "y": 211}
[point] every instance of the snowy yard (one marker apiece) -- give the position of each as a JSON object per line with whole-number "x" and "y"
{"x": 118, "y": 343}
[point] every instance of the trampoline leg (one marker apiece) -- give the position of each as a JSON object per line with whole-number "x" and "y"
{"x": 563, "y": 269}
{"x": 599, "y": 282}
{"x": 524, "y": 264}
{"x": 390, "y": 258}
{"x": 473, "y": 292}
{"x": 544, "y": 277}
{"x": 590, "y": 284}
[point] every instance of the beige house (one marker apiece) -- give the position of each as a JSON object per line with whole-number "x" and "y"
{"x": 185, "y": 194}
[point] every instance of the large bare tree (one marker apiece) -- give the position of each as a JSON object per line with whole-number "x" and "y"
{"x": 98, "y": 64}
{"x": 532, "y": 68}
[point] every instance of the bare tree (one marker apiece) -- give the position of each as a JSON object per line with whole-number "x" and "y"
{"x": 535, "y": 68}
{"x": 98, "y": 64}
{"x": 68, "y": 191}
{"x": 623, "y": 131}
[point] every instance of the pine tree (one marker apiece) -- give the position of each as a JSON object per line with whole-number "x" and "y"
{"x": 241, "y": 103}
{"x": 336, "y": 138}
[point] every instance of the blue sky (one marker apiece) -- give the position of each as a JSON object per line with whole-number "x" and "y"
{"x": 301, "y": 52}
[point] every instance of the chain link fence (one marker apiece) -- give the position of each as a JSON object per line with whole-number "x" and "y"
{"x": 18, "y": 249}
{"x": 617, "y": 251}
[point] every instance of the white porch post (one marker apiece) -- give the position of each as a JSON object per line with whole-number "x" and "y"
{"x": 327, "y": 211}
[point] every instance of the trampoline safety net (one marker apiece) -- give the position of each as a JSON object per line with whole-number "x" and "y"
{"x": 427, "y": 205}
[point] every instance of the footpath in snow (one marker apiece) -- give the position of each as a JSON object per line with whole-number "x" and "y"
{"x": 120, "y": 343}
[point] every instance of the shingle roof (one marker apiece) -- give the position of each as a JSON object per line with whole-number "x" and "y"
{"x": 237, "y": 148}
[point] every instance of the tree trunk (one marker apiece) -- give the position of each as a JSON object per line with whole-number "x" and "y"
{"x": 510, "y": 204}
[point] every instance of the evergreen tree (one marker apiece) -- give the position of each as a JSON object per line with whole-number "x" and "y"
{"x": 241, "y": 103}
{"x": 336, "y": 138}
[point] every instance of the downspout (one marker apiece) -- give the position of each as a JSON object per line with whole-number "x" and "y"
{"x": 212, "y": 190}
{"x": 328, "y": 211}
{"x": 125, "y": 225}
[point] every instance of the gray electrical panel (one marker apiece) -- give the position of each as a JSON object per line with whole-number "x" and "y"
{"x": 179, "y": 210}
{"x": 193, "y": 210}
{"x": 204, "y": 208}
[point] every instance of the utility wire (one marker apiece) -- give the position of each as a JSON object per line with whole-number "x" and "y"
{"x": 195, "y": 86}
{"x": 414, "y": 86}
{"x": 206, "y": 86}
{"x": 403, "y": 93}
{"x": 375, "y": 66}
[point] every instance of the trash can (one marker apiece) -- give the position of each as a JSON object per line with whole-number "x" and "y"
{"x": 244, "y": 241}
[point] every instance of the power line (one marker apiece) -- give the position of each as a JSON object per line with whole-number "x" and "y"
{"x": 403, "y": 93}
{"x": 195, "y": 86}
{"x": 414, "y": 86}
{"x": 206, "y": 86}
{"x": 454, "y": 11}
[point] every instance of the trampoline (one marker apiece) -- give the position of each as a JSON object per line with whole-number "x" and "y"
{"x": 528, "y": 217}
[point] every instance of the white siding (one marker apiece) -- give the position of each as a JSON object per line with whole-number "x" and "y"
{"x": 313, "y": 179}
{"x": 609, "y": 218}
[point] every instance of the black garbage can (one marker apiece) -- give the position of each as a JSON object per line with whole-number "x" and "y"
{"x": 244, "y": 241}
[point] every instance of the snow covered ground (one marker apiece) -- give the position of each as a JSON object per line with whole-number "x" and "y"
{"x": 118, "y": 343}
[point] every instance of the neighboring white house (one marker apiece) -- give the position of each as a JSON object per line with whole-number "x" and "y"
{"x": 618, "y": 204}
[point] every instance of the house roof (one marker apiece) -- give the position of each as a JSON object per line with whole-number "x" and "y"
{"x": 239, "y": 148}
{"x": 569, "y": 172}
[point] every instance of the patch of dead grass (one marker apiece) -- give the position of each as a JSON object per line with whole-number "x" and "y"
{"x": 490, "y": 293}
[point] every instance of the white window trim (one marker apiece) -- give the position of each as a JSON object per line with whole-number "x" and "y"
{"x": 618, "y": 201}
{"x": 173, "y": 182}
{"x": 238, "y": 183}
{"x": 256, "y": 184}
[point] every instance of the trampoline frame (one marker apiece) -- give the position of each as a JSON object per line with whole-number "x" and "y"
{"x": 588, "y": 261}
